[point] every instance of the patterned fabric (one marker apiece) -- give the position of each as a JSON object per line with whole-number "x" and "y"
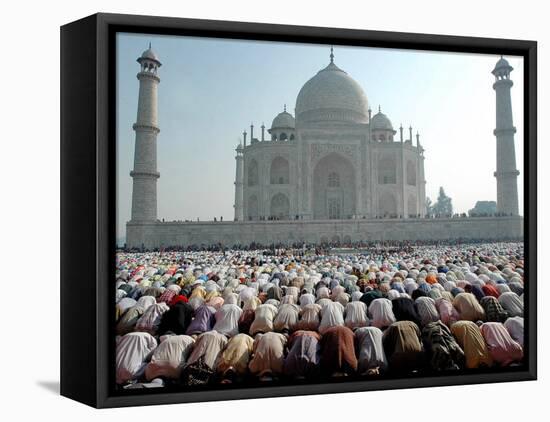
{"x": 167, "y": 296}
{"x": 445, "y": 353}
{"x": 425, "y": 306}
{"x": 198, "y": 373}
{"x": 494, "y": 312}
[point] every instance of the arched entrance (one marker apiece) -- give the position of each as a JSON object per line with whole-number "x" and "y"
{"x": 253, "y": 178}
{"x": 387, "y": 206}
{"x": 411, "y": 206}
{"x": 280, "y": 173}
{"x": 280, "y": 207}
{"x": 333, "y": 188}
{"x": 252, "y": 209}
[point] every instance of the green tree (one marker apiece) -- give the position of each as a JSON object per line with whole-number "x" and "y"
{"x": 444, "y": 204}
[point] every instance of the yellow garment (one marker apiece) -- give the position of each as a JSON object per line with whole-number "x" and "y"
{"x": 186, "y": 280}
{"x": 212, "y": 294}
{"x": 469, "y": 337}
{"x": 269, "y": 354}
{"x": 198, "y": 291}
{"x": 237, "y": 354}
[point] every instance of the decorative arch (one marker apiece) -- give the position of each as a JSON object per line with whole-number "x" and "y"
{"x": 280, "y": 206}
{"x": 280, "y": 172}
{"x": 252, "y": 208}
{"x": 387, "y": 205}
{"x": 334, "y": 188}
{"x": 333, "y": 180}
{"x": 411, "y": 173}
{"x": 283, "y": 136}
{"x": 387, "y": 170}
{"x": 253, "y": 176}
{"x": 412, "y": 206}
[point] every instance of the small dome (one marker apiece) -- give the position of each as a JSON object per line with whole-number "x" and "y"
{"x": 501, "y": 65}
{"x": 283, "y": 120}
{"x": 332, "y": 95}
{"x": 149, "y": 54}
{"x": 381, "y": 122}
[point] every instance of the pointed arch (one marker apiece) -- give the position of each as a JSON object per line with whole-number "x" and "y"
{"x": 412, "y": 206}
{"x": 279, "y": 172}
{"x": 387, "y": 205}
{"x": 411, "y": 173}
{"x": 253, "y": 176}
{"x": 334, "y": 192}
{"x": 280, "y": 206}
{"x": 252, "y": 208}
{"x": 387, "y": 170}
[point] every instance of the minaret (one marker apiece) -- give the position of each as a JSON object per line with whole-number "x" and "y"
{"x": 145, "y": 175}
{"x": 506, "y": 173}
{"x": 239, "y": 184}
{"x": 370, "y": 124}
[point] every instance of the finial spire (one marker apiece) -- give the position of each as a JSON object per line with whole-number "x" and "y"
{"x": 332, "y": 54}
{"x": 149, "y": 45}
{"x": 284, "y": 108}
{"x": 379, "y": 109}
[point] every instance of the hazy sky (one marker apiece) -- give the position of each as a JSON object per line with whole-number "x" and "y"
{"x": 212, "y": 89}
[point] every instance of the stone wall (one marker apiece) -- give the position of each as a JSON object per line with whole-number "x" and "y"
{"x": 162, "y": 234}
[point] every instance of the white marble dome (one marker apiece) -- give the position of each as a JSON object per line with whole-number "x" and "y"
{"x": 381, "y": 122}
{"x": 283, "y": 120}
{"x": 332, "y": 95}
{"x": 149, "y": 54}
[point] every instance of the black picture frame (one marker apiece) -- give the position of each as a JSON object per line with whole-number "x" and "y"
{"x": 88, "y": 198}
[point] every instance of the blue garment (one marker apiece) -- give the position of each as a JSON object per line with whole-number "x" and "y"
{"x": 425, "y": 287}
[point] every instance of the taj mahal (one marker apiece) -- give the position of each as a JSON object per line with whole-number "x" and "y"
{"x": 332, "y": 172}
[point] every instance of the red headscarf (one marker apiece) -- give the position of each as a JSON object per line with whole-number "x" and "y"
{"x": 177, "y": 299}
{"x": 490, "y": 290}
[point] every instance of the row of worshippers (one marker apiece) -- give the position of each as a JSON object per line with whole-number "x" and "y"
{"x": 402, "y": 348}
{"x": 206, "y": 328}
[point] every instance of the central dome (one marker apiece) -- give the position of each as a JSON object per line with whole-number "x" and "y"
{"x": 332, "y": 95}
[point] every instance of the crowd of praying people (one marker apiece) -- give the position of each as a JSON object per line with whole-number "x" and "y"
{"x": 197, "y": 318}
